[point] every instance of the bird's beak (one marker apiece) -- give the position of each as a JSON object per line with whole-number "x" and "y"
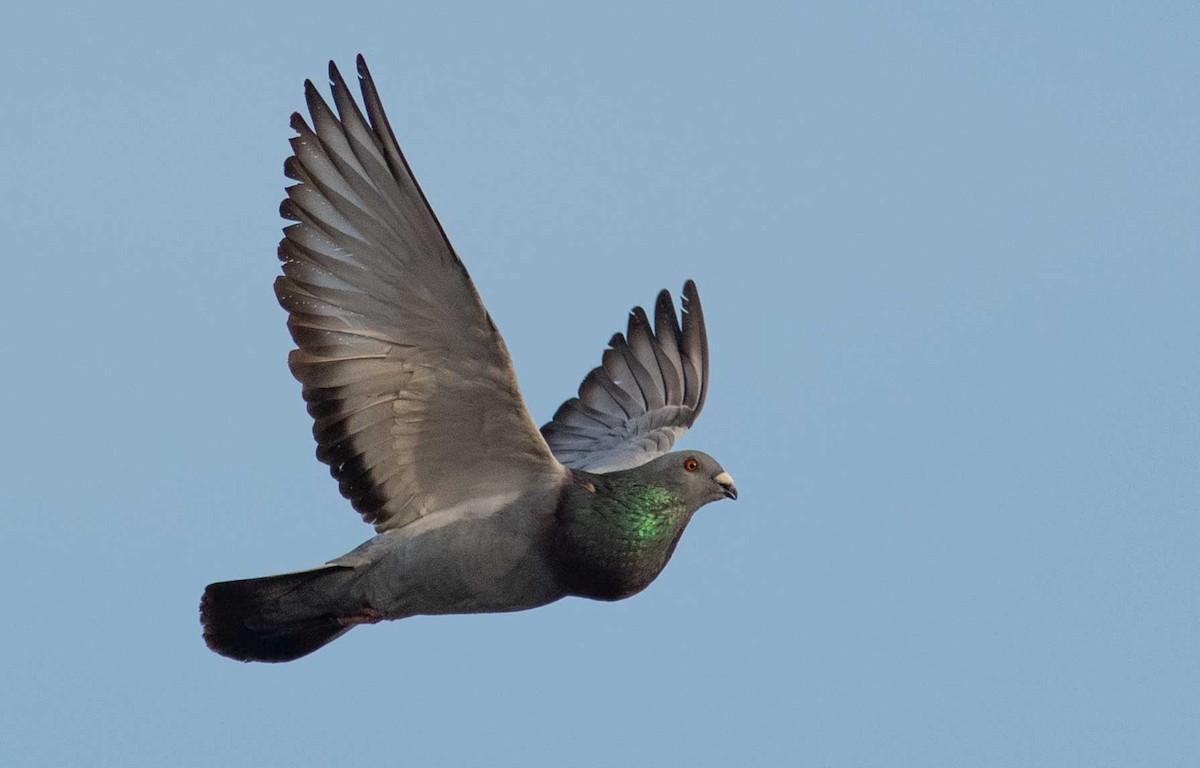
{"x": 726, "y": 482}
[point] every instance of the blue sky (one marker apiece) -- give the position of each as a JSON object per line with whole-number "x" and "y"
{"x": 948, "y": 255}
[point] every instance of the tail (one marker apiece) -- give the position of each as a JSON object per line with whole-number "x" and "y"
{"x": 275, "y": 618}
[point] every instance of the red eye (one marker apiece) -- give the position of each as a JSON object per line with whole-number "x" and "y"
{"x": 690, "y": 464}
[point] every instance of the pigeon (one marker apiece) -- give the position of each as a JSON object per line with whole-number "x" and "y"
{"x": 417, "y": 413}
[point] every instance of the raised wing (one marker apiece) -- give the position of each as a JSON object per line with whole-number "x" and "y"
{"x": 415, "y": 401}
{"x": 647, "y": 391}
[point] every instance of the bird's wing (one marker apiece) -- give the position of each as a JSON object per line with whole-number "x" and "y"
{"x": 414, "y": 397}
{"x": 647, "y": 391}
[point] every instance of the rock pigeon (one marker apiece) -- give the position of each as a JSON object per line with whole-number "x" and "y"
{"x": 417, "y": 412}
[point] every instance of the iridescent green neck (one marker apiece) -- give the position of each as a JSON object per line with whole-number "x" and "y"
{"x": 655, "y": 513}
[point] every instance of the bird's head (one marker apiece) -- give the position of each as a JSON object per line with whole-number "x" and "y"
{"x": 694, "y": 475}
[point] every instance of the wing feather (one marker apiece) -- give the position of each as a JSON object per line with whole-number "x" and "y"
{"x": 647, "y": 391}
{"x": 415, "y": 404}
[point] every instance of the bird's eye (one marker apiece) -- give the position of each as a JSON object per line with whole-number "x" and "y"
{"x": 690, "y": 464}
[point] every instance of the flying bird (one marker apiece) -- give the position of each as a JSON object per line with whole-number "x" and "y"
{"x": 417, "y": 412}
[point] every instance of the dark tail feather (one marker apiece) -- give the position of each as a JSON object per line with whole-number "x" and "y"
{"x": 275, "y": 618}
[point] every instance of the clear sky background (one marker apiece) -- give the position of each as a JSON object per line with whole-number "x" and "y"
{"x": 949, "y": 257}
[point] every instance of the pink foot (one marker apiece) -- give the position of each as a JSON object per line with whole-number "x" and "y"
{"x": 368, "y": 616}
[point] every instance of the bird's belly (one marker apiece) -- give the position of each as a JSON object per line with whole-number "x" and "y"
{"x": 471, "y": 566}
{"x": 607, "y": 579}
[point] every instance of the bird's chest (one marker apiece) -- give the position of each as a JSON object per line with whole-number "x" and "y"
{"x": 615, "y": 552}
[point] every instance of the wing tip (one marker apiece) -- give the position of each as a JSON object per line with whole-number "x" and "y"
{"x": 666, "y": 320}
{"x": 291, "y": 168}
{"x": 298, "y": 123}
{"x": 365, "y": 81}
